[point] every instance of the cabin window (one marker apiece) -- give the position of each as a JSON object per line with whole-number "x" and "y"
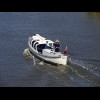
{"x": 48, "y": 47}
{"x": 33, "y": 43}
{"x": 41, "y": 47}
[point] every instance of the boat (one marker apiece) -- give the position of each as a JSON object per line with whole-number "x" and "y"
{"x": 43, "y": 49}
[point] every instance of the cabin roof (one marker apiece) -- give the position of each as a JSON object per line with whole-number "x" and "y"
{"x": 41, "y": 40}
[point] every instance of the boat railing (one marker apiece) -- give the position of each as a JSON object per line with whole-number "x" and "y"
{"x": 42, "y": 38}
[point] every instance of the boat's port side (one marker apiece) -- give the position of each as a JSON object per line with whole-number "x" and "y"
{"x": 40, "y": 58}
{"x": 41, "y": 49}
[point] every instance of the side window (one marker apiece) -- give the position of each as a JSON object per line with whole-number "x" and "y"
{"x": 33, "y": 43}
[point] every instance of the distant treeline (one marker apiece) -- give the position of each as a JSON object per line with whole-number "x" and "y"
{"x": 96, "y": 14}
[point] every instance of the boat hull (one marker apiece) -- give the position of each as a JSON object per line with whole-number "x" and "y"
{"x": 50, "y": 60}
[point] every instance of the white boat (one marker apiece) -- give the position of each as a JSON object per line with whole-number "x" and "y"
{"x": 44, "y": 50}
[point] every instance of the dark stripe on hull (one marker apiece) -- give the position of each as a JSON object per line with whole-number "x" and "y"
{"x": 49, "y": 62}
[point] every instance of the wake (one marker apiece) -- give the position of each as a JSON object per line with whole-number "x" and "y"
{"x": 85, "y": 64}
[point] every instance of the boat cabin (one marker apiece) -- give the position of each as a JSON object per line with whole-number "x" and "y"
{"x": 39, "y": 43}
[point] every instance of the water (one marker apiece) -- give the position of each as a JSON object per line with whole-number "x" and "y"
{"x": 79, "y": 31}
